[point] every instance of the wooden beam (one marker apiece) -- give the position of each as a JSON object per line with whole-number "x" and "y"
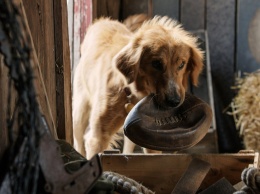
{"x": 221, "y": 32}
{"x": 161, "y": 172}
{"x": 167, "y": 7}
{"x": 131, "y": 7}
{"x": 193, "y": 14}
{"x": 38, "y": 17}
{"x": 106, "y": 8}
{"x": 62, "y": 71}
{"x": 3, "y": 104}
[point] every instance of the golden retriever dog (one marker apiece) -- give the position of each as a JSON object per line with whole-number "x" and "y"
{"x": 118, "y": 67}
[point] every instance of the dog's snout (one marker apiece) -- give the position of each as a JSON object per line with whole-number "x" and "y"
{"x": 173, "y": 101}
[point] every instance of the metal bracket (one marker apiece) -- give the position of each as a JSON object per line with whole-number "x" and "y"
{"x": 58, "y": 180}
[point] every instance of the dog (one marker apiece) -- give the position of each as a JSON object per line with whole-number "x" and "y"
{"x": 119, "y": 66}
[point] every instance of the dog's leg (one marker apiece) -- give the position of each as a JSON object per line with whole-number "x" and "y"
{"x": 96, "y": 141}
{"x": 80, "y": 123}
{"x": 128, "y": 146}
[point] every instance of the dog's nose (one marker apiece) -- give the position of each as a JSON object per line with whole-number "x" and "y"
{"x": 173, "y": 101}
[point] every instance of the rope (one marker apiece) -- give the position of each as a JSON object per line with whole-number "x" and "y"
{"x": 125, "y": 185}
{"x": 251, "y": 177}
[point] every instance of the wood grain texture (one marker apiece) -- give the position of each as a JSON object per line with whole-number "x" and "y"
{"x": 3, "y": 104}
{"x": 167, "y": 7}
{"x": 221, "y": 31}
{"x": 62, "y": 69}
{"x": 131, "y": 7}
{"x": 193, "y": 14}
{"x": 160, "y": 173}
{"x": 248, "y": 36}
{"x": 40, "y": 16}
{"x": 105, "y": 8}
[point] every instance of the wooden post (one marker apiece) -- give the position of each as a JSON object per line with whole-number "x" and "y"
{"x": 62, "y": 71}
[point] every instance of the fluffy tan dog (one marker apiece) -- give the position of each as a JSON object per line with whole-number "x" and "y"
{"x": 118, "y": 67}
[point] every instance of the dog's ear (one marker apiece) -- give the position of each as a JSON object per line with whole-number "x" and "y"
{"x": 195, "y": 64}
{"x": 127, "y": 61}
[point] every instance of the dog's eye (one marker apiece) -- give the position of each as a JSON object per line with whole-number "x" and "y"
{"x": 181, "y": 66}
{"x": 158, "y": 65}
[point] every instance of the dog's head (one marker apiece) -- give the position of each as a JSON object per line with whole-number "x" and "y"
{"x": 160, "y": 59}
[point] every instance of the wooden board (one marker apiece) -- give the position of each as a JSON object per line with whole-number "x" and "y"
{"x": 103, "y": 8}
{"x": 167, "y": 7}
{"x": 221, "y": 32}
{"x": 131, "y": 7}
{"x": 160, "y": 173}
{"x": 193, "y": 14}
{"x": 62, "y": 72}
{"x": 40, "y": 19}
{"x": 3, "y": 103}
{"x": 52, "y": 62}
{"x": 248, "y": 39}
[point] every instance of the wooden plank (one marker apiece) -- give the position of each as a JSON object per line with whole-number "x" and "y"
{"x": 202, "y": 91}
{"x": 63, "y": 72}
{"x": 3, "y": 104}
{"x": 221, "y": 32}
{"x": 193, "y": 14}
{"x": 39, "y": 18}
{"x": 76, "y": 34}
{"x": 70, "y": 6}
{"x": 248, "y": 36}
{"x": 104, "y": 8}
{"x": 167, "y": 7}
{"x": 205, "y": 88}
{"x": 131, "y": 7}
{"x": 148, "y": 169}
{"x": 85, "y": 17}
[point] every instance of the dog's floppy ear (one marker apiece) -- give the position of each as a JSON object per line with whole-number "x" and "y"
{"x": 127, "y": 61}
{"x": 195, "y": 64}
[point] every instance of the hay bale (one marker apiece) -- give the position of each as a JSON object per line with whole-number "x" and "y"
{"x": 246, "y": 109}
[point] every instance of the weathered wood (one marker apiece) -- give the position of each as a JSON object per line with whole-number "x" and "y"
{"x": 3, "y": 103}
{"x": 105, "y": 8}
{"x": 160, "y": 173}
{"x": 193, "y": 14}
{"x": 76, "y": 34}
{"x": 85, "y": 17}
{"x": 202, "y": 91}
{"x": 39, "y": 15}
{"x": 62, "y": 69}
{"x": 131, "y": 7}
{"x": 167, "y": 7}
{"x": 248, "y": 36}
{"x": 221, "y": 32}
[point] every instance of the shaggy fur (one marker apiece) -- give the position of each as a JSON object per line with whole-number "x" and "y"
{"x": 158, "y": 58}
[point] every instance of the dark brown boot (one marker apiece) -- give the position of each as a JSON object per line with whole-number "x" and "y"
{"x": 170, "y": 129}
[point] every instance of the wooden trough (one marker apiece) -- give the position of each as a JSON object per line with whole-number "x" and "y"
{"x": 160, "y": 173}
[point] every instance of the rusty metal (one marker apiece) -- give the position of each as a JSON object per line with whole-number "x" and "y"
{"x": 58, "y": 180}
